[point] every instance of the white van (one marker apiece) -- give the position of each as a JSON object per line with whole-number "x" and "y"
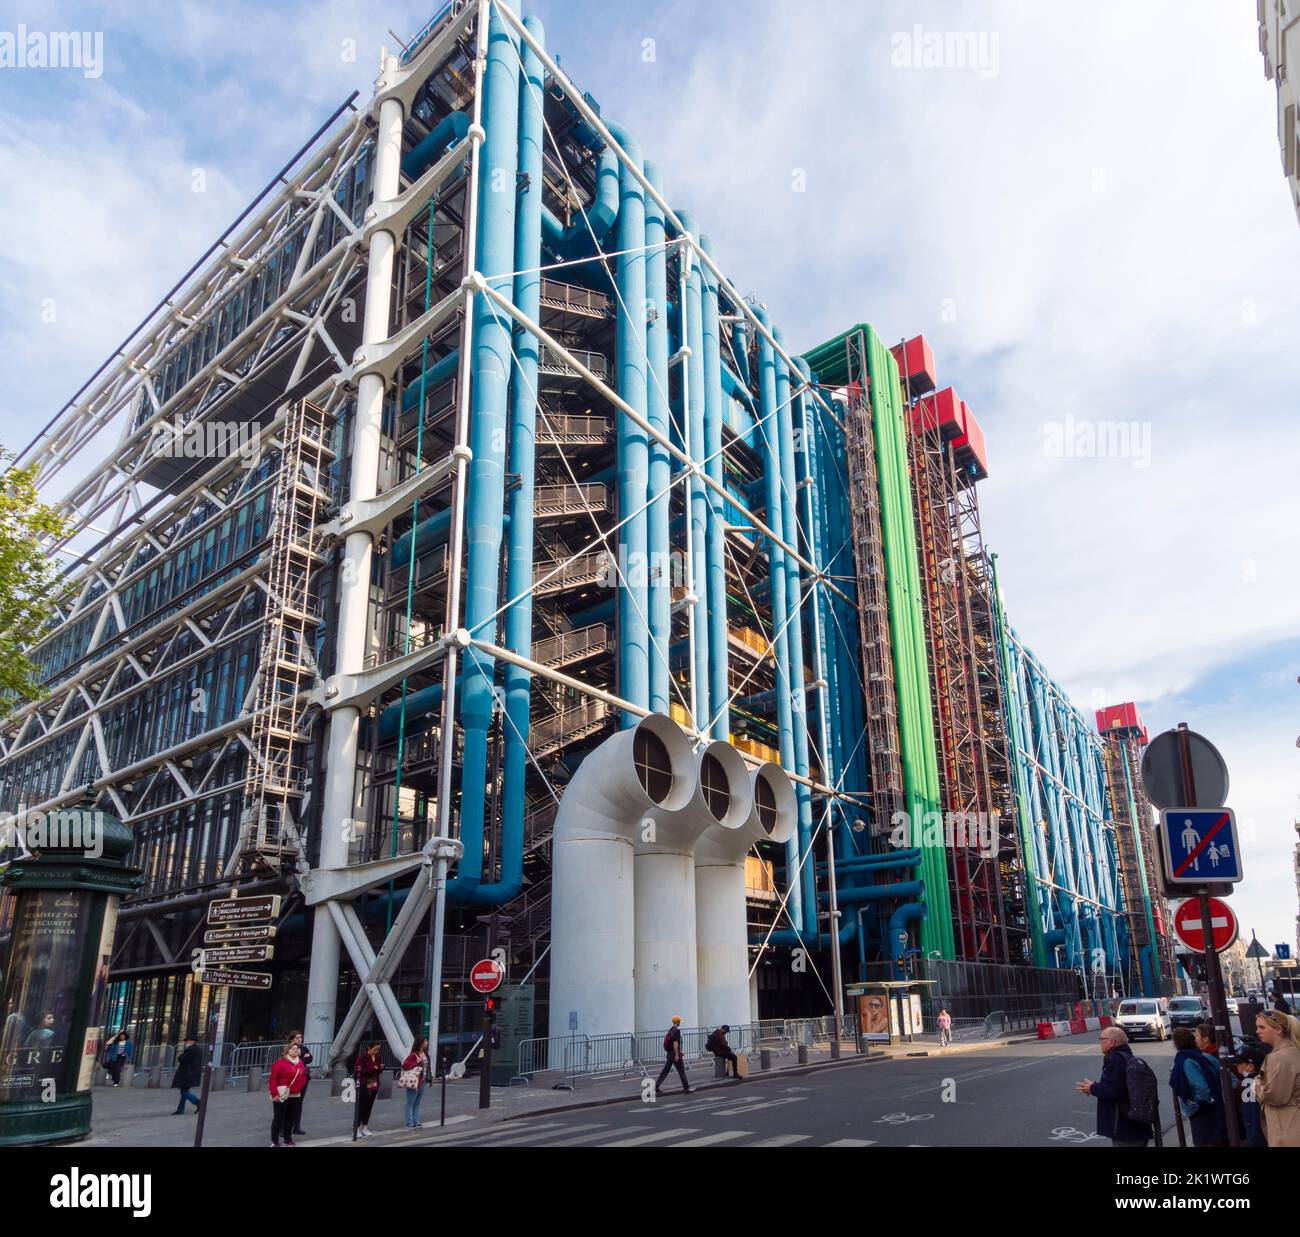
{"x": 1144, "y": 1016}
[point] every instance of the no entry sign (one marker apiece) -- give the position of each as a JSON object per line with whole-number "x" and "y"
{"x": 1187, "y": 924}
{"x": 486, "y": 976}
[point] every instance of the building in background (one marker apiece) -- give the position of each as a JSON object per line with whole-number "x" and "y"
{"x": 1279, "y": 41}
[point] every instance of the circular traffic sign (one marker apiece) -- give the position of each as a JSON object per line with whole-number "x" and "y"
{"x": 1189, "y": 930}
{"x": 486, "y": 976}
{"x": 1162, "y": 772}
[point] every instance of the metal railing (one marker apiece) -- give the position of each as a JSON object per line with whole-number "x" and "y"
{"x": 591, "y": 1058}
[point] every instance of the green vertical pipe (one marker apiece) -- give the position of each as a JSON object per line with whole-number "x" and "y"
{"x": 916, "y": 735}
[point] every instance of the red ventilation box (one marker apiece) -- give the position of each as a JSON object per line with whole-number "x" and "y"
{"x": 1121, "y": 717}
{"x": 915, "y": 366}
{"x": 944, "y": 411}
{"x": 969, "y": 447}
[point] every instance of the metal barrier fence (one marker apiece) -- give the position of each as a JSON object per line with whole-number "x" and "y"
{"x": 592, "y": 1057}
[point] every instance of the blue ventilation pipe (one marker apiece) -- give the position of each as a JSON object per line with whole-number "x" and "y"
{"x": 523, "y": 464}
{"x": 794, "y": 609}
{"x": 424, "y": 154}
{"x": 698, "y": 501}
{"x": 633, "y": 451}
{"x": 660, "y": 584}
{"x": 799, "y": 914}
{"x": 488, "y": 439}
{"x": 877, "y": 893}
{"x": 716, "y": 562}
{"x": 908, "y": 913}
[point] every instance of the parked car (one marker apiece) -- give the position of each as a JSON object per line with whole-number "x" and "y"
{"x": 1144, "y": 1017}
{"x": 1233, "y": 1008}
{"x": 1188, "y": 1011}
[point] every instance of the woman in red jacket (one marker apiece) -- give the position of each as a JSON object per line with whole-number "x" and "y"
{"x": 288, "y": 1082}
{"x": 368, "y": 1072}
{"x": 414, "y": 1078}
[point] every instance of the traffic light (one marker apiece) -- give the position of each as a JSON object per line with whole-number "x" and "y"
{"x": 496, "y": 1037}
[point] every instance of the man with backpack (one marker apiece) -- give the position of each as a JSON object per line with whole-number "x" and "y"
{"x": 673, "y": 1050}
{"x": 717, "y": 1044}
{"x": 1126, "y": 1093}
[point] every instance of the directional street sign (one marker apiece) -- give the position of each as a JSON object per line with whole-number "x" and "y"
{"x": 243, "y": 910}
{"x": 221, "y": 978}
{"x": 238, "y": 953}
{"x": 1200, "y": 846}
{"x": 1189, "y": 929}
{"x": 263, "y": 932}
{"x": 486, "y": 976}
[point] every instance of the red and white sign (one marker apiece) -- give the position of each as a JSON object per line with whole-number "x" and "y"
{"x": 486, "y": 976}
{"x": 1187, "y": 924}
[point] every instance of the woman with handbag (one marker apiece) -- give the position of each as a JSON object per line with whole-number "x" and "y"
{"x": 304, "y": 1055}
{"x": 288, "y": 1081}
{"x": 413, "y": 1079}
{"x": 1278, "y": 1086}
{"x": 368, "y": 1072}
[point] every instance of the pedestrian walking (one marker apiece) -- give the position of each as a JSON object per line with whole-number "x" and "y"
{"x": 1280, "y": 1004}
{"x": 189, "y": 1072}
{"x": 1278, "y": 1085}
{"x": 288, "y": 1081}
{"x": 305, "y": 1055}
{"x": 945, "y": 1028}
{"x": 1195, "y": 1084}
{"x": 717, "y": 1044}
{"x": 413, "y": 1079}
{"x": 118, "y": 1055}
{"x": 673, "y": 1056}
{"x": 1125, "y": 1092}
{"x": 1246, "y": 1066}
{"x": 369, "y": 1070}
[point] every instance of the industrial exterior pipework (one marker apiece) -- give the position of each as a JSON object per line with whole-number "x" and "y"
{"x": 765, "y": 814}
{"x": 644, "y": 773}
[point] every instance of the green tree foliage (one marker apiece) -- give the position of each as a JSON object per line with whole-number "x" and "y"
{"x": 28, "y": 576}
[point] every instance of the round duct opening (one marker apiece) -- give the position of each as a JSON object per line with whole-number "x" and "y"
{"x": 765, "y": 805}
{"x": 654, "y": 766}
{"x": 715, "y": 786}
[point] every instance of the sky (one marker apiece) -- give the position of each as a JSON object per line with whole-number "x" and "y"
{"x": 1086, "y": 217}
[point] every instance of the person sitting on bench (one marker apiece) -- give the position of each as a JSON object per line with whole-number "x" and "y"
{"x": 717, "y": 1044}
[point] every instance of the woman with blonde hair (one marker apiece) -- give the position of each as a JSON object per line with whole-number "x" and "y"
{"x": 1278, "y": 1086}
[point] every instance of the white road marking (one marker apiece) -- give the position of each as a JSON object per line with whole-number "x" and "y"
{"x": 852, "y": 1142}
{"x": 707, "y": 1140}
{"x": 594, "y": 1135}
{"x": 782, "y": 1140}
{"x": 508, "y": 1139}
{"x": 748, "y": 1108}
{"x": 661, "y": 1136}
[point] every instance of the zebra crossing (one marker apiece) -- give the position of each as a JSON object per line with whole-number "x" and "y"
{"x": 703, "y": 1122}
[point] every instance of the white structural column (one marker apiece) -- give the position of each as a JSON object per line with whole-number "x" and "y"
{"x": 339, "y": 801}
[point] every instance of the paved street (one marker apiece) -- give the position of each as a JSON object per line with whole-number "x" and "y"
{"x": 1019, "y": 1096}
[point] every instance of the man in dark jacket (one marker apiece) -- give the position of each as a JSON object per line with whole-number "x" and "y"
{"x": 189, "y": 1072}
{"x": 717, "y": 1044}
{"x": 1111, "y": 1091}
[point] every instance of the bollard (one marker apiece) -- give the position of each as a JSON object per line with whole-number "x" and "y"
{"x": 803, "y": 1054}
{"x": 254, "y": 1080}
{"x": 337, "y": 1077}
{"x": 719, "y": 1067}
{"x": 218, "y": 1078}
{"x": 386, "y": 1085}
{"x": 764, "y": 1058}
{"x": 155, "y": 1079}
{"x": 835, "y": 1049}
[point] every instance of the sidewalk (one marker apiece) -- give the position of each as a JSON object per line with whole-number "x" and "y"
{"x": 141, "y": 1117}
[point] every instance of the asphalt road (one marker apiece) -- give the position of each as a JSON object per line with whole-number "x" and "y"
{"x": 1019, "y": 1096}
